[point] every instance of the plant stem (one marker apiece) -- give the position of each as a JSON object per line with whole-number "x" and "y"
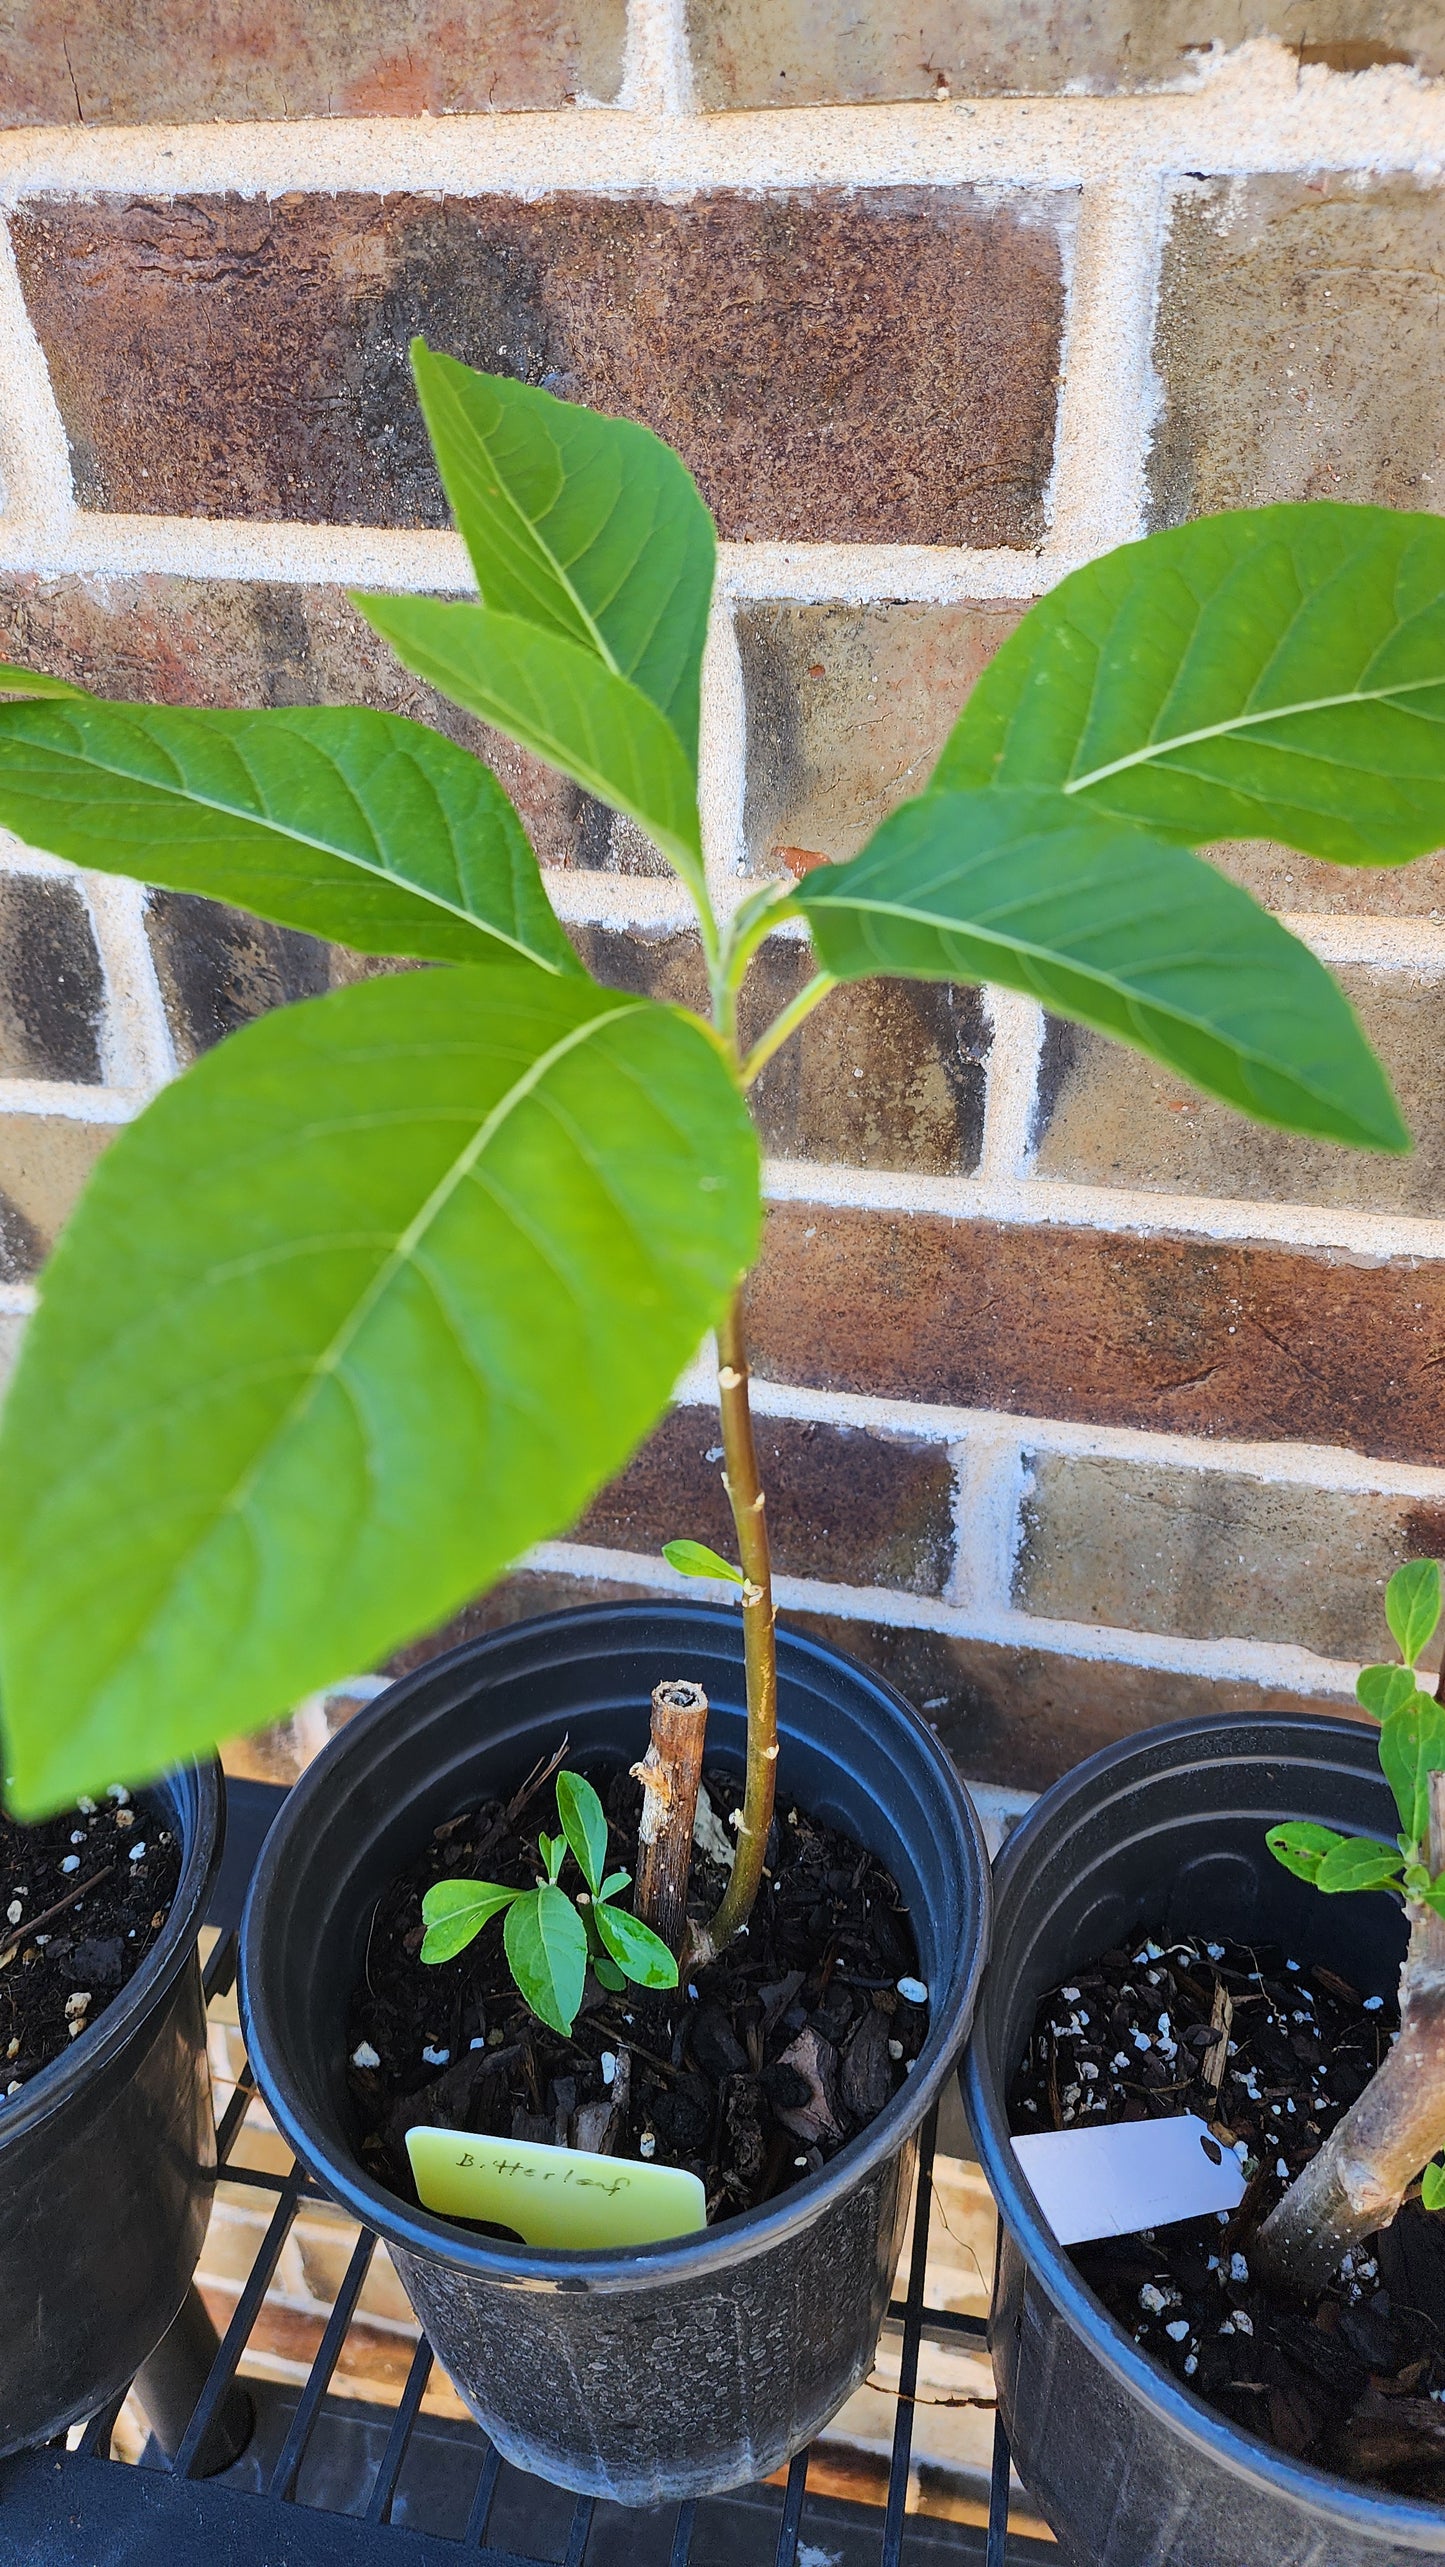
{"x": 1358, "y": 2179}
{"x": 745, "y": 1495}
{"x": 670, "y": 1774}
{"x": 786, "y": 1024}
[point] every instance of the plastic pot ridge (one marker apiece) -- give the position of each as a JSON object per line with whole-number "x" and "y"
{"x": 1165, "y": 1834}
{"x": 664, "y": 2371}
{"x": 107, "y": 2165}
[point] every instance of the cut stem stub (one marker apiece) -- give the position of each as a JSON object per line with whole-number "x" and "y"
{"x": 671, "y": 1775}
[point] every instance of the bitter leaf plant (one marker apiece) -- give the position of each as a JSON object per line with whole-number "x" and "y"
{"x": 1357, "y": 2180}
{"x": 551, "y": 1939}
{"x": 385, "y": 1287}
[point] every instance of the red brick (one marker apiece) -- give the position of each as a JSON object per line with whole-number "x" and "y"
{"x": 129, "y": 62}
{"x": 52, "y": 996}
{"x": 1186, "y": 1335}
{"x": 1021, "y": 1717}
{"x": 843, "y": 1504}
{"x": 781, "y": 53}
{"x": 878, "y": 365}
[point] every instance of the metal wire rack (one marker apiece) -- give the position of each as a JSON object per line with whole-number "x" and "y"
{"x": 243, "y": 2469}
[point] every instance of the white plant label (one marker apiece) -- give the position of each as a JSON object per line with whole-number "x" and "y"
{"x": 1130, "y": 2174}
{"x": 553, "y": 2196}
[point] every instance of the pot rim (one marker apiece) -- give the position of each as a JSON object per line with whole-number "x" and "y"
{"x": 423, "y": 2233}
{"x": 1338, "y": 2500}
{"x": 54, "y": 2086}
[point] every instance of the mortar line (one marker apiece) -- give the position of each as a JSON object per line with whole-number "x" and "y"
{"x": 1108, "y": 394}
{"x": 1012, "y": 1085}
{"x": 1052, "y": 1203}
{"x": 1273, "y": 1663}
{"x": 34, "y": 452}
{"x": 1253, "y": 111}
{"x": 1334, "y": 1468}
{"x": 138, "y": 1052}
{"x": 657, "y": 72}
{"x": 988, "y": 1488}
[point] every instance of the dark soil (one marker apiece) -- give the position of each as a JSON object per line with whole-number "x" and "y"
{"x": 752, "y": 2073}
{"x": 1354, "y": 2381}
{"x": 59, "y": 1972}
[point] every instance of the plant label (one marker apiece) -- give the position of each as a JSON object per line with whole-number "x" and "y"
{"x": 553, "y": 2196}
{"x": 1132, "y": 2174}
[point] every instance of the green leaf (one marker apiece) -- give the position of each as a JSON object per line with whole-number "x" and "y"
{"x": 454, "y": 1912}
{"x": 1358, "y": 1863}
{"x": 585, "y": 1826}
{"x": 588, "y": 527}
{"x": 1302, "y": 1847}
{"x": 561, "y": 702}
{"x": 34, "y": 682}
{"x": 546, "y": 1943}
{"x": 1412, "y": 1748}
{"x": 1385, "y": 1689}
{"x": 608, "y": 1973}
{"x": 1432, "y": 2185}
{"x": 695, "y": 1560}
{"x": 636, "y": 1949}
{"x": 614, "y": 1882}
{"x": 1269, "y": 673}
{"x": 1412, "y": 1607}
{"x": 552, "y": 1850}
{"x": 375, "y": 1296}
{"x": 1120, "y": 930}
{"x": 346, "y": 823}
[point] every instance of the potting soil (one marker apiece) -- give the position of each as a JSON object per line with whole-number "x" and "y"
{"x": 751, "y": 2073}
{"x": 1269, "y": 2051}
{"x": 83, "y": 1898}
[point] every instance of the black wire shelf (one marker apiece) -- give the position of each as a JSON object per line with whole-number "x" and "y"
{"x": 240, "y": 2467}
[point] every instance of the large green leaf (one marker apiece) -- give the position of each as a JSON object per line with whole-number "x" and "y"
{"x": 588, "y": 527}
{"x": 1359, "y": 1863}
{"x": 639, "y": 1953}
{"x": 351, "y": 824}
{"x": 1275, "y": 672}
{"x": 1301, "y": 1846}
{"x": 561, "y": 702}
{"x": 1119, "y": 929}
{"x": 546, "y": 1944}
{"x": 371, "y": 1299}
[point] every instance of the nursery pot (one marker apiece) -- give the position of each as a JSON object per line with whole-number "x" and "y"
{"x": 107, "y": 2164}
{"x": 705, "y": 2362}
{"x": 1165, "y": 1835}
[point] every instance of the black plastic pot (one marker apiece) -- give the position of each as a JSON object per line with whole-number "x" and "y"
{"x": 1165, "y": 1835}
{"x": 663, "y": 2371}
{"x": 107, "y": 2166}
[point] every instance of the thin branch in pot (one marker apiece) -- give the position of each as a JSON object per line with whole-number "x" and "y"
{"x": 671, "y": 1776}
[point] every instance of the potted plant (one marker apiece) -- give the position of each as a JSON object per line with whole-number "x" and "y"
{"x": 107, "y": 2143}
{"x": 383, "y": 1289}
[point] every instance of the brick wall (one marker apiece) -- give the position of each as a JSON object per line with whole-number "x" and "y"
{"x": 1083, "y": 1404}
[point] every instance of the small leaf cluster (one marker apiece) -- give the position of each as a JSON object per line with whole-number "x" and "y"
{"x": 1412, "y": 1748}
{"x": 551, "y": 1938}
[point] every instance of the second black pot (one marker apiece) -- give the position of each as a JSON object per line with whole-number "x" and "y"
{"x": 107, "y": 2167}
{"x": 703, "y": 2363}
{"x": 1165, "y": 1835}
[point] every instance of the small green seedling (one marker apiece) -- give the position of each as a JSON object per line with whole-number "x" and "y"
{"x": 550, "y": 1937}
{"x": 1356, "y": 2182}
{"x": 1412, "y": 1748}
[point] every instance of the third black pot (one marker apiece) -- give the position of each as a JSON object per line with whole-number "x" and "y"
{"x": 107, "y": 2167}
{"x": 1165, "y": 1835}
{"x": 664, "y": 2371}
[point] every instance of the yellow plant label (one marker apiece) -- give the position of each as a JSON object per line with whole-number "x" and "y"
{"x": 553, "y": 2196}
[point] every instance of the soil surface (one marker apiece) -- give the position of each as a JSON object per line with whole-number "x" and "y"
{"x": 1270, "y": 2052}
{"x": 751, "y": 2073}
{"x": 64, "y": 1957}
